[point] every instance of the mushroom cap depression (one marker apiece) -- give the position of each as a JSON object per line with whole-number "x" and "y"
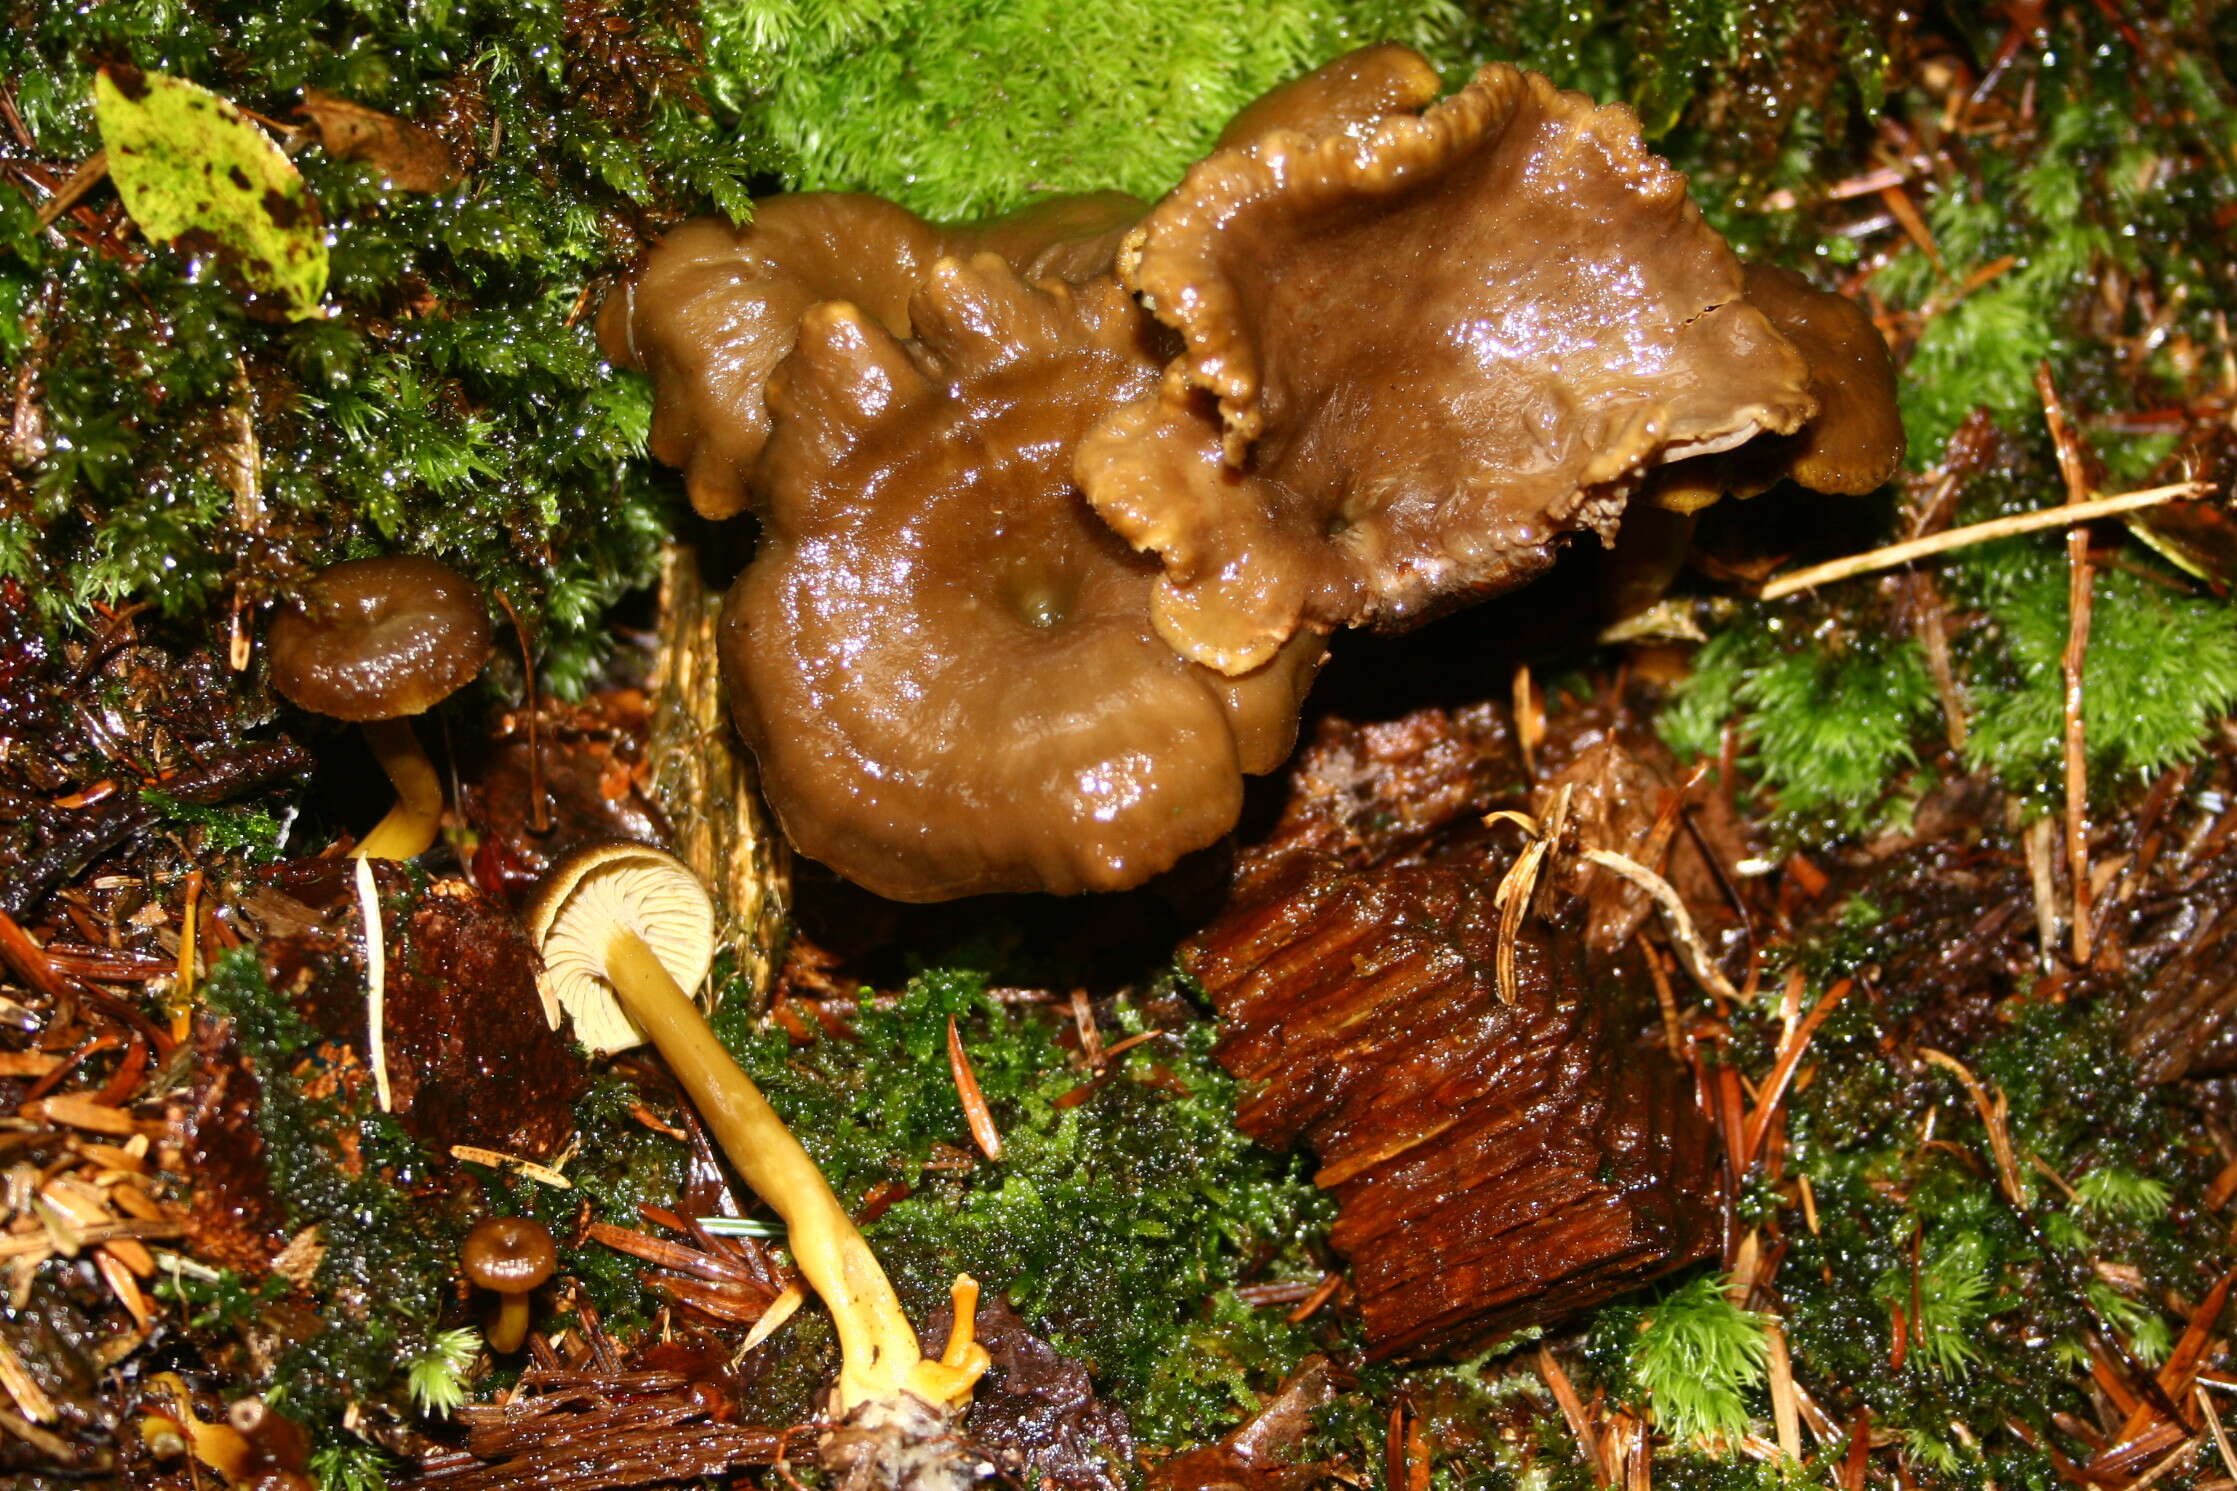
{"x": 1430, "y": 346}
{"x": 510, "y": 1255}
{"x": 716, "y": 307}
{"x": 589, "y": 895}
{"x": 376, "y": 639}
{"x": 942, "y": 659}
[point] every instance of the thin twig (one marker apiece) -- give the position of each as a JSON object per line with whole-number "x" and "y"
{"x": 1991, "y": 1110}
{"x": 1790, "y": 1057}
{"x": 539, "y": 802}
{"x": 84, "y": 179}
{"x": 1976, "y": 533}
{"x": 376, "y": 979}
{"x": 983, "y": 1132}
{"x": 2213, "y": 1422}
{"x": 2078, "y": 590}
{"x": 1682, "y": 930}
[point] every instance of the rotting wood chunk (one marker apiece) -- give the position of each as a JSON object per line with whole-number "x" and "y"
{"x": 470, "y": 1055}
{"x": 1496, "y": 1164}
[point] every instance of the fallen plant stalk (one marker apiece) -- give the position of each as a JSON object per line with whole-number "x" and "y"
{"x": 1976, "y": 533}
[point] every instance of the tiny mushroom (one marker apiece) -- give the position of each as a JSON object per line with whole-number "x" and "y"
{"x": 601, "y": 920}
{"x": 376, "y": 641}
{"x": 512, "y": 1257}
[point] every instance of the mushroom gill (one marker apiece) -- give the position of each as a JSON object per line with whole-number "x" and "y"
{"x": 1417, "y": 353}
{"x": 942, "y": 660}
{"x": 715, "y": 307}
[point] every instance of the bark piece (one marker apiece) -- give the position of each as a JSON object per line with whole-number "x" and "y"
{"x": 1496, "y": 1164}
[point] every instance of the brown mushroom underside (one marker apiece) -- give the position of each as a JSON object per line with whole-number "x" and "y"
{"x": 1854, "y": 443}
{"x": 942, "y": 659}
{"x": 1433, "y": 349}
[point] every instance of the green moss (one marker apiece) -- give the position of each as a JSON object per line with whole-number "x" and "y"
{"x": 452, "y": 400}
{"x": 1829, "y": 715}
{"x": 1690, "y": 1356}
{"x": 384, "y": 1278}
{"x": 1118, "y": 1225}
{"x": 2161, "y": 667}
{"x": 897, "y": 97}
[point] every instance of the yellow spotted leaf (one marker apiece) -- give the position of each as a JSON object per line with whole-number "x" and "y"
{"x": 191, "y": 166}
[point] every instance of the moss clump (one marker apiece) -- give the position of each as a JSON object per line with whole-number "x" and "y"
{"x": 1117, "y": 1222}
{"x": 1829, "y": 713}
{"x": 336, "y": 1164}
{"x": 450, "y": 401}
{"x": 896, "y": 97}
{"x": 1690, "y": 1356}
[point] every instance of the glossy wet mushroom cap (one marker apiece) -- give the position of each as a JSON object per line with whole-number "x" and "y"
{"x": 378, "y": 639}
{"x": 716, "y": 307}
{"x": 1854, "y": 444}
{"x": 583, "y": 901}
{"x": 941, "y": 658}
{"x": 509, "y": 1255}
{"x": 1420, "y": 349}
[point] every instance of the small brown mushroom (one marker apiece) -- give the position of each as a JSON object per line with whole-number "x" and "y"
{"x": 716, "y": 307}
{"x": 1418, "y": 352}
{"x": 376, "y": 641}
{"x": 512, "y": 1257}
{"x": 941, "y": 658}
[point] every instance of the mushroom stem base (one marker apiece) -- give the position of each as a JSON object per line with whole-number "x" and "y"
{"x": 878, "y": 1348}
{"x": 409, "y": 829}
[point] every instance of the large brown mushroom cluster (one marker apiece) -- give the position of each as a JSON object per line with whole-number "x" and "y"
{"x": 1059, "y": 510}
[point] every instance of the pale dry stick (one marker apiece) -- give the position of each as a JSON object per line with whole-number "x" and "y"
{"x": 1895, "y": 555}
{"x": 1784, "y": 1413}
{"x": 376, "y": 979}
{"x": 2037, "y": 841}
{"x": 2079, "y": 588}
{"x": 1682, "y": 931}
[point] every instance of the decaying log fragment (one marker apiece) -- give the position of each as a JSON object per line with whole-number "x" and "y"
{"x": 1497, "y": 1162}
{"x": 587, "y": 1430}
{"x": 703, "y": 779}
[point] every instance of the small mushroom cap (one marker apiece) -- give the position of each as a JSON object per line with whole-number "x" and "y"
{"x": 375, "y": 639}
{"x": 510, "y": 1255}
{"x": 585, "y": 898}
{"x": 1418, "y": 352}
{"x": 941, "y": 658}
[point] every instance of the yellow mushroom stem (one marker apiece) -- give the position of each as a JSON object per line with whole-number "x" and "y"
{"x": 879, "y": 1356}
{"x": 510, "y": 1328}
{"x": 411, "y": 825}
